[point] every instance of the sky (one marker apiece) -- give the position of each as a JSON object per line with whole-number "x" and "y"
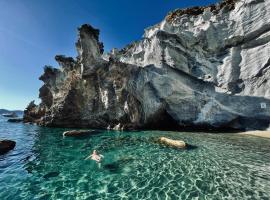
{"x": 32, "y": 32}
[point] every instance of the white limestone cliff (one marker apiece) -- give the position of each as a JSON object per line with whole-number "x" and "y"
{"x": 201, "y": 67}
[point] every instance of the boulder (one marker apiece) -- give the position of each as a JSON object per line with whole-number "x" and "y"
{"x": 6, "y": 145}
{"x": 173, "y": 143}
{"x": 15, "y": 120}
{"x": 78, "y": 133}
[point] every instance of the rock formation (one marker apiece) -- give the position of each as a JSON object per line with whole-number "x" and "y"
{"x": 6, "y": 146}
{"x": 201, "y": 67}
{"x": 79, "y": 133}
{"x": 180, "y": 144}
{"x": 15, "y": 120}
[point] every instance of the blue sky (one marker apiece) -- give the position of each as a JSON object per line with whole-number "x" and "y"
{"x": 32, "y": 32}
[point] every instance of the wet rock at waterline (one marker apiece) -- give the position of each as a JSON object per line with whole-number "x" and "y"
{"x": 79, "y": 133}
{"x": 6, "y": 145}
{"x": 200, "y": 68}
{"x": 15, "y": 120}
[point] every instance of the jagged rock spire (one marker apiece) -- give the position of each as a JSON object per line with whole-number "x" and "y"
{"x": 88, "y": 46}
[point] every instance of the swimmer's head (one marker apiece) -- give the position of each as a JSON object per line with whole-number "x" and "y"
{"x": 94, "y": 152}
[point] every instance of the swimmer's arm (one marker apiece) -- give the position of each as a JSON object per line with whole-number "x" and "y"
{"x": 88, "y": 157}
{"x": 101, "y": 156}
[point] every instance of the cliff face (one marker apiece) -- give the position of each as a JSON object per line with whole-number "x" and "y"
{"x": 202, "y": 67}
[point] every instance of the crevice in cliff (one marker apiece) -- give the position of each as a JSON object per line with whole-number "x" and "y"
{"x": 194, "y": 81}
{"x": 251, "y": 122}
{"x": 257, "y": 42}
{"x": 234, "y": 84}
{"x": 242, "y": 39}
{"x": 263, "y": 69}
{"x": 162, "y": 121}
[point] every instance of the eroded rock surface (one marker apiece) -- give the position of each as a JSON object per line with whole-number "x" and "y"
{"x": 202, "y": 67}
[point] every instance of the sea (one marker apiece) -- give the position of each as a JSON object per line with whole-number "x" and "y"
{"x": 46, "y": 165}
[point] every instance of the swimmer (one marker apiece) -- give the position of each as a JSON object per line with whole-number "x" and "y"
{"x": 95, "y": 156}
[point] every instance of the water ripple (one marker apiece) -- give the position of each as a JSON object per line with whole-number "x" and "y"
{"x": 44, "y": 165}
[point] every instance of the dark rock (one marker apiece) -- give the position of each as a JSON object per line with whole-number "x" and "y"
{"x": 15, "y": 120}
{"x": 33, "y": 113}
{"x": 67, "y": 63}
{"x": 6, "y": 145}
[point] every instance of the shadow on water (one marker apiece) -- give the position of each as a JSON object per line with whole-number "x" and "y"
{"x": 51, "y": 175}
{"x": 117, "y": 166}
{"x": 191, "y": 147}
{"x": 113, "y": 167}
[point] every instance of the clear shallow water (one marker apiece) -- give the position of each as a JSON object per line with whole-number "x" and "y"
{"x": 44, "y": 165}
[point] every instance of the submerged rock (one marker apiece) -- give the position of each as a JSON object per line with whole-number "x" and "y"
{"x": 200, "y": 68}
{"x": 173, "y": 143}
{"x": 15, "y": 120}
{"x": 78, "y": 133}
{"x": 6, "y": 145}
{"x": 51, "y": 175}
{"x": 118, "y": 165}
{"x": 113, "y": 167}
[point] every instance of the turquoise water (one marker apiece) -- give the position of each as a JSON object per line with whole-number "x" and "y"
{"x": 44, "y": 165}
